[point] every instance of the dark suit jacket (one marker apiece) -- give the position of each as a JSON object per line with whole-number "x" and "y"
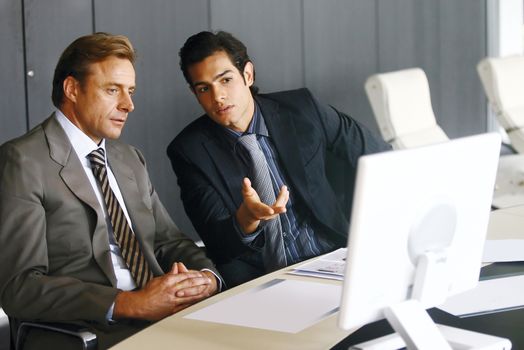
{"x": 304, "y": 133}
{"x": 55, "y": 259}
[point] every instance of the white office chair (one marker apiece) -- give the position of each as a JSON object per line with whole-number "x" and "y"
{"x": 402, "y": 106}
{"x": 503, "y": 81}
{"x": 401, "y": 103}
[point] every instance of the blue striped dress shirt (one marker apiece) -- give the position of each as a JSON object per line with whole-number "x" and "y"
{"x": 300, "y": 238}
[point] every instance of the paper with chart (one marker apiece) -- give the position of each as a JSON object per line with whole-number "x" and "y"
{"x": 330, "y": 266}
{"x": 279, "y": 305}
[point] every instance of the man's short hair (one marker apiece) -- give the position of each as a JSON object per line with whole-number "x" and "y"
{"x": 84, "y": 51}
{"x": 204, "y": 44}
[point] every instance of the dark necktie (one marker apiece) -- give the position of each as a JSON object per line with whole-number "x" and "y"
{"x": 273, "y": 252}
{"x": 124, "y": 236}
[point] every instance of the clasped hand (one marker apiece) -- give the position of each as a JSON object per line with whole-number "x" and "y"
{"x": 166, "y": 295}
{"x": 253, "y": 210}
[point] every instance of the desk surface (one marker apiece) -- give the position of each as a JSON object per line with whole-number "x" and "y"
{"x": 185, "y": 333}
{"x": 176, "y": 331}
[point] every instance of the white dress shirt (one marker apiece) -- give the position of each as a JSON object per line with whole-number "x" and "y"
{"x": 83, "y": 145}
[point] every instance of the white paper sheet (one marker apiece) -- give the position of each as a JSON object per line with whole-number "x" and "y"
{"x": 330, "y": 266}
{"x": 498, "y": 294}
{"x": 278, "y": 305}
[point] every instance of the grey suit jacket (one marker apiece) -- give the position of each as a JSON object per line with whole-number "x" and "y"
{"x": 55, "y": 260}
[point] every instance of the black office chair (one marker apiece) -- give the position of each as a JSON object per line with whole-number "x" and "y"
{"x": 74, "y": 335}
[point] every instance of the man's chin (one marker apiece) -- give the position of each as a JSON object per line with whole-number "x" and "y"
{"x": 113, "y": 135}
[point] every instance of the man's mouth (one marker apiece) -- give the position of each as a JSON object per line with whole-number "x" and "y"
{"x": 118, "y": 120}
{"x": 224, "y": 109}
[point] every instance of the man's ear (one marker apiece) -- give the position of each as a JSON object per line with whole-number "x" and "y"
{"x": 249, "y": 73}
{"x": 71, "y": 86}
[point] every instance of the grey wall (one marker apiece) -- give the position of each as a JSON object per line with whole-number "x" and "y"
{"x": 12, "y": 89}
{"x": 330, "y": 46}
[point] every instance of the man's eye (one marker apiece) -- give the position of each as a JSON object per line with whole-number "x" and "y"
{"x": 202, "y": 89}
{"x": 112, "y": 91}
{"x": 227, "y": 80}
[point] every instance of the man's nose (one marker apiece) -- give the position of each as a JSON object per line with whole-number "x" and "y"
{"x": 219, "y": 93}
{"x": 126, "y": 103}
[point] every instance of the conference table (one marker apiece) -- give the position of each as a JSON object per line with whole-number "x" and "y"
{"x": 181, "y": 332}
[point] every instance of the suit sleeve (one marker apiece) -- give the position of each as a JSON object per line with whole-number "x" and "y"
{"x": 205, "y": 206}
{"x": 346, "y": 140}
{"x": 27, "y": 291}
{"x": 171, "y": 245}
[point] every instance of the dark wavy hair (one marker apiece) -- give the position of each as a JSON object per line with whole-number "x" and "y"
{"x": 81, "y": 53}
{"x": 204, "y": 44}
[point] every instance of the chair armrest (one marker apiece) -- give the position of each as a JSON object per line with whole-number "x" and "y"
{"x": 88, "y": 338}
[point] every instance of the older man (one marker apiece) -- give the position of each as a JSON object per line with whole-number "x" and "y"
{"x": 84, "y": 236}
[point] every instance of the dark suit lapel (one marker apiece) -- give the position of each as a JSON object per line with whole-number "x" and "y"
{"x": 228, "y": 166}
{"x": 284, "y": 135}
{"x": 74, "y": 177}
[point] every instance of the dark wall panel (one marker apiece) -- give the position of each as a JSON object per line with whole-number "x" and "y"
{"x": 409, "y": 36}
{"x": 163, "y": 102}
{"x": 463, "y": 45}
{"x": 272, "y": 32}
{"x": 50, "y": 26}
{"x": 12, "y": 96}
{"x": 340, "y": 53}
{"x": 446, "y": 39}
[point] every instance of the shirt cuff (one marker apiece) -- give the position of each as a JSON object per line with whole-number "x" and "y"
{"x": 219, "y": 287}
{"x": 249, "y": 238}
{"x": 109, "y": 315}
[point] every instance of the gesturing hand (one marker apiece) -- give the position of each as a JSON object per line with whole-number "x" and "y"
{"x": 252, "y": 209}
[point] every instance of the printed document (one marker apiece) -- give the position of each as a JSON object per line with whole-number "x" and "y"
{"x": 330, "y": 266}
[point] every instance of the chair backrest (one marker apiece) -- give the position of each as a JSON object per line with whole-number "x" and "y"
{"x": 401, "y": 103}
{"x": 503, "y": 81}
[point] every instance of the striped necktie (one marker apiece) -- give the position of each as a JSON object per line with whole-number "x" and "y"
{"x": 273, "y": 253}
{"x": 124, "y": 236}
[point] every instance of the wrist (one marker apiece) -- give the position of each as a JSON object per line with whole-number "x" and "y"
{"x": 214, "y": 281}
{"x": 247, "y": 222}
{"x": 125, "y": 306}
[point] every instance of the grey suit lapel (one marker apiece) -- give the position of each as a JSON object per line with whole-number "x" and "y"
{"x": 134, "y": 199}
{"x": 73, "y": 175}
{"x": 126, "y": 180}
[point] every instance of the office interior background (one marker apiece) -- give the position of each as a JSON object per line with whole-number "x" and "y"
{"x": 329, "y": 46}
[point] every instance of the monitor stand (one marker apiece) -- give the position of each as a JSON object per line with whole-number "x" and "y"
{"x": 414, "y": 327}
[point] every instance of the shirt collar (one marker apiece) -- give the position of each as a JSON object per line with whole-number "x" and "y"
{"x": 82, "y": 144}
{"x": 256, "y": 126}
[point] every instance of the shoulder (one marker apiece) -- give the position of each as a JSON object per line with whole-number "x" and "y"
{"x": 31, "y": 144}
{"x": 299, "y": 105}
{"x": 193, "y": 134}
{"x": 299, "y": 102}
{"x": 128, "y": 153}
{"x": 287, "y": 97}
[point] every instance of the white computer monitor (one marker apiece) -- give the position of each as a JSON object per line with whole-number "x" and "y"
{"x": 417, "y": 232}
